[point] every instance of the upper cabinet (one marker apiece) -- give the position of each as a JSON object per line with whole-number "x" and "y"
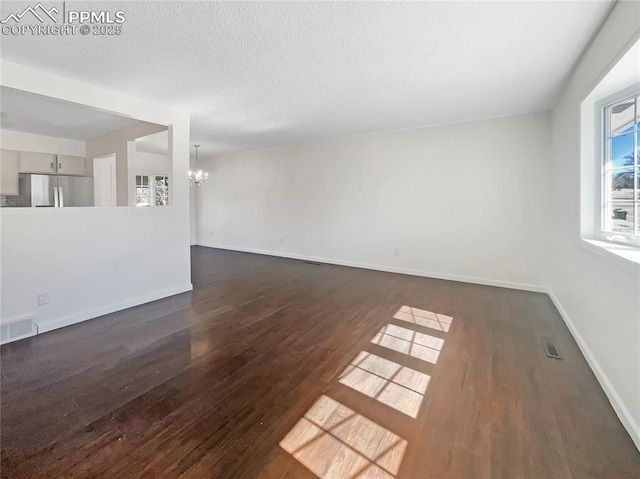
{"x": 71, "y": 165}
{"x": 8, "y": 172}
{"x": 43, "y": 163}
{"x": 47, "y": 164}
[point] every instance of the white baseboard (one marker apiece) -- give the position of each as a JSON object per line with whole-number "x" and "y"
{"x": 618, "y": 405}
{"x": 388, "y": 269}
{"x": 45, "y": 326}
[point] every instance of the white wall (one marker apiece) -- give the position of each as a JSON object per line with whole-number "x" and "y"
{"x": 464, "y": 201}
{"x": 94, "y": 260}
{"x": 150, "y": 163}
{"x": 598, "y": 294}
{"x": 21, "y": 141}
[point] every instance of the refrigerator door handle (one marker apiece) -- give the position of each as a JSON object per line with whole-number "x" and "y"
{"x": 56, "y": 201}
{"x": 61, "y": 195}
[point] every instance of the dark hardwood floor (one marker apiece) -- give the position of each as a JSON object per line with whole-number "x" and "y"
{"x": 278, "y": 368}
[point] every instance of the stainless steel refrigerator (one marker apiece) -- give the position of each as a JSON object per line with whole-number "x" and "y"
{"x": 54, "y": 191}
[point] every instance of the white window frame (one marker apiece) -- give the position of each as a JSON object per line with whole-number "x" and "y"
{"x": 603, "y": 164}
{"x": 152, "y": 188}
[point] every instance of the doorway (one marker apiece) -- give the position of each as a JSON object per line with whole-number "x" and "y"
{"x": 104, "y": 180}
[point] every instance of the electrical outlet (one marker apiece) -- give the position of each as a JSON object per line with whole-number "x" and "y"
{"x": 211, "y": 233}
{"x": 43, "y": 298}
{"x": 396, "y": 252}
{"x": 281, "y": 240}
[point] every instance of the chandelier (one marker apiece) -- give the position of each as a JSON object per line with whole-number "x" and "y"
{"x": 198, "y": 177}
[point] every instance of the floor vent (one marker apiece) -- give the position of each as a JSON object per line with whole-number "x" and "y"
{"x": 550, "y": 348}
{"x": 315, "y": 263}
{"x": 17, "y": 329}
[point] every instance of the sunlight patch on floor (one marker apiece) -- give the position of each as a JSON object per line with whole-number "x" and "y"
{"x": 390, "y": 383}
{"x": 418, "y": 345}
{"x": 335, "y": 442}
{"x": 421, "y": 317}
{"x": 332, "y": 441}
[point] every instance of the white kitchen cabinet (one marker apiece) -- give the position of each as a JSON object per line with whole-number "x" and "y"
{"x": 46, "y": 163}
{"x": 71, "y": 165}
{"x": 8, "y": 172}
{"x": 31, "y": 162}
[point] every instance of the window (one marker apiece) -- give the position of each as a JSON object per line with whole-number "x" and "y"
{"x": 142, "y": 190}
{"x": 620, "y": 209}
{"x": 152, "y": 190}
{"x": 162, "y": 190}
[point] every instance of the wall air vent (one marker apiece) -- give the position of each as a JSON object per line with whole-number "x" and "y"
{"x": 550, "y": 348}
{"x": 17, "y": 329}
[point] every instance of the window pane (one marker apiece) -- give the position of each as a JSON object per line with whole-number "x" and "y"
{"x": 622, "y": 151}
{"x": 142, "y": 196}
{"x": 145, "y": 180}
{"x": 622, "y": 184}
{"x": 162, "y": 191}
{"x": 621, "y": 117}
{"x": 138, "y": 180}
{"x": 622, "y": 217}
{"x": 622, "y": 166}
{"x": 621, "y": 206}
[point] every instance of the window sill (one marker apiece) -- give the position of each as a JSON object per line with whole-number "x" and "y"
{"x": 625, "y": 255}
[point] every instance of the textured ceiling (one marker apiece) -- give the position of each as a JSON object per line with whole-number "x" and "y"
{"x": 258, "y": 75}
{"x": 45, "y": 116}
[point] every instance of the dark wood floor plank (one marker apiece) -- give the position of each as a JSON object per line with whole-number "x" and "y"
{"x": 208, "y": 383}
